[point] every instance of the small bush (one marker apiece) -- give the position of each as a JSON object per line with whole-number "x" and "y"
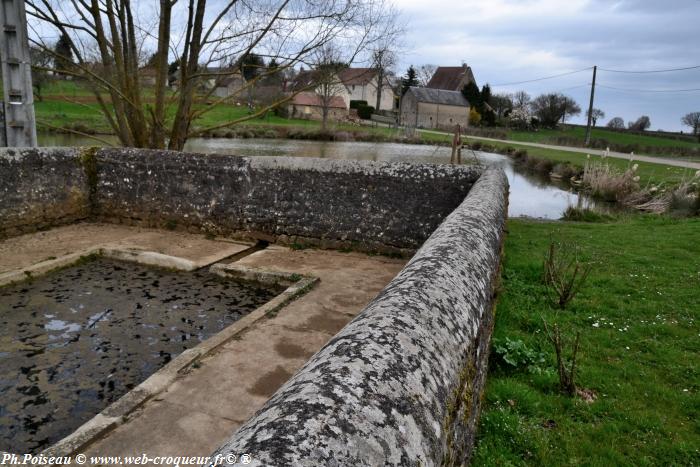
{"x": 357, "y": 104}
{"x": 365, "y": 112}
{"x": 544, "y": 165}
{"x": 567, "y": 376}
{"x": 575, "y": 214}
{"x": 566, "y": 170}
{"x": 514, "y": 354}
{"x": 520, "y": 155}
{"x": 564, "y": 274}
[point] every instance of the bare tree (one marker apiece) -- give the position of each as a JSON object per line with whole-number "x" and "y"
{"x": 596, "y": 115}
{"x": 569, "y": 108}
{"x": 383, "y": 61}
{"x": 502, "y": 104}
{"x": 325, "y": 76}
{"x": 109, "y": 39}
{"x": 641, "y": 124}
{"x": 521, "y": 100}
{"x": 616, "y": 123}
{"x": 425, "y": 73}
{"x": 549, "y": 109}
{"x": 693, "y": 121}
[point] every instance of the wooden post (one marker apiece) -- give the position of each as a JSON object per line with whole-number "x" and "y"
{"x": 15, "y": 62}
{"x": 456, "y": 157}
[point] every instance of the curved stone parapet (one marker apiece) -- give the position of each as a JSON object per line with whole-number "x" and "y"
{"x": 400, "y": 384}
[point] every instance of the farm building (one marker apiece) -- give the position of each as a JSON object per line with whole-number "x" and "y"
{"x": 434, "y": 108}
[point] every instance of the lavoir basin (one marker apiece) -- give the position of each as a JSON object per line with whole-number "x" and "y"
{"x": 74, "y": 341}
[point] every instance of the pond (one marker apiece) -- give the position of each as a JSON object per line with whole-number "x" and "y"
{"x": 531, "y": 195}
{"x": 76, "y": 340}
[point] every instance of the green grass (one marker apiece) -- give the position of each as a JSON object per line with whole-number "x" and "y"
{"x": 640, "y": 339}
{"x": 649, "y": 173}
{"x": 614, "y": 137}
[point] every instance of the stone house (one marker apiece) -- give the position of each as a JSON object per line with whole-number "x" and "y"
{"x": 229, "y": 86}
{"x": 147, "y": 76}
{"x": 451, "y": 78}
{"x": 350, "y": 84}
{"x": 434, "y": 108}
{"x": 362, "y": 85}
{"x": 309, "y": 105}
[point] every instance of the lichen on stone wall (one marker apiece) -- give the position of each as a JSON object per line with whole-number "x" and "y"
{"x": 401, "y": 383}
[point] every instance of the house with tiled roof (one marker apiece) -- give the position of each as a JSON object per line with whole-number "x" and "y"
{"x": 451, "y": 78}
{"x": 362, "y": 85}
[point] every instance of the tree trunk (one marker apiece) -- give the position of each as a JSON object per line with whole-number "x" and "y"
{"x": 181, "y": 125}
{"x": 158, "y": 131}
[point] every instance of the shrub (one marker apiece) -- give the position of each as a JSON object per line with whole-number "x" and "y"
{"x": 544, "y": 165}
{"x": 514, "y": 354}
{"x": 607, "y": 182}
{"x": 564, "y": 274}
{"x": 474, "y": 117}
{"x": 365, "y": 112}
{"x": 567, "y": 376}
{"x": 566, "y": 170}
{"x": 357, "y": 104}
{"x": 576, "y": 214}
{"x": 520, "y": 155}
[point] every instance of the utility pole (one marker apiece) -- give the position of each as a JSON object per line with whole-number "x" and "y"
{"x": 590, "y": 109}
{"x": 15, "y": 63}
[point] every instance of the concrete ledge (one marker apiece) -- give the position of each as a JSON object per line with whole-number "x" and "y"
{"x": 400, "y": 384}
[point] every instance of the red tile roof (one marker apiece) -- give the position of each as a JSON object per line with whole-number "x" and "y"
{"x": 361, "y": 76}
{"x": 451, "y": 78}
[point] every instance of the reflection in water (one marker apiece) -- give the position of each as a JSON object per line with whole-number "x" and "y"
{"x": 73, "y": 342}
{"x": 530, "y": 195}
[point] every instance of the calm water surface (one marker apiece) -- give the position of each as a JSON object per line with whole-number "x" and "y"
{"x": 530, "y": 194}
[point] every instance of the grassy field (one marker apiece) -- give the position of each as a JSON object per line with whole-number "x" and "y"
{"x": 638, "y": 316}
{"x": 655, "y": 174}
{"x": 615, "y": 137}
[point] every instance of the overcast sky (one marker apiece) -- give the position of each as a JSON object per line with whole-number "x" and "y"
{"x": 507, "y": 41}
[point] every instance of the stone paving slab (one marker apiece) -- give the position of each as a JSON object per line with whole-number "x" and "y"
{"x": 30, "y": 249}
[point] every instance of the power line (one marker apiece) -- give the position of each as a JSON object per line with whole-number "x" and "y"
{"x": 648, "y": 90}
{"x": 650, "y": 71}
{"x": 573, "y": 87}
{"x": 541, "y": 79}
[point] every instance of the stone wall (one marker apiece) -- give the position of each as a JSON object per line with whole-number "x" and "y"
{"x": 322, "y": 202}
{"x": 41, "y": 187}
{"x": 400, "y": 384}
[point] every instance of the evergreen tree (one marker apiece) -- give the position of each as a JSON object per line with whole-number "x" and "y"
{"x": 410, "y": 80}
{"x": 64, "y": 52}
{"x": 486, "y": 94}
{"x": 252, "y": 66}
{"x": 471, "y": 92}
{"x": 486, "y": 111}
{"x": 274, "y": 74}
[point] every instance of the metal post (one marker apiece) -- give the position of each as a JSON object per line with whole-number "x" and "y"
{"x": 590, "y": 110}
{"x": 15, "y": 63}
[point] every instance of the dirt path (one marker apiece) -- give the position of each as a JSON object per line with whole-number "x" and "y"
{"x": 597, "y": 152}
